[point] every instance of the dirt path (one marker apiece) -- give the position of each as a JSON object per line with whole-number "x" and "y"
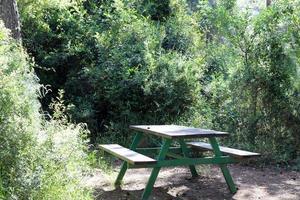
{"x": 176, "y": 183}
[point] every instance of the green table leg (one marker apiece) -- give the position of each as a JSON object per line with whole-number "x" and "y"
{"x": 162, "y": 154}
{"x": 223, "y": 167}
{"x": 186, "y": 153}
{"x": 124, "y": 167}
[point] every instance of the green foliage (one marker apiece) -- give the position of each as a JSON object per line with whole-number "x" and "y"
{"x": 66, "y": 162}
{"x": 156, "y": 62}
{"x": 253, "y": 86}
{"x": 55, "y": 34}
{"x": 39, "y": 159}
{"x": 182, "y": 31}
{"x": 155, "y": 9}
{"x": 19, "y": 116}
{"x": 133, "y": 64}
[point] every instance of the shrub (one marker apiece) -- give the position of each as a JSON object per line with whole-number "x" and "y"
{"x": 35, "y": 161}
{"x": 125, "y": 62}
{"x": 133, "y": 64}
{"x": 252, "y": 90}
{"x": 62, "y": 161}
{"x": 19, "y": 116}
{"x": 57, "y": 35}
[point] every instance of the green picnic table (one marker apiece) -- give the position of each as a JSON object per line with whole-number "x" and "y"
{"x": 181, "y": 154}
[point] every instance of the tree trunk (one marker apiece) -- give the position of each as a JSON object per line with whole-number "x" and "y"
{"x": 10, "y": 16}
{"x": 268, "y": 2}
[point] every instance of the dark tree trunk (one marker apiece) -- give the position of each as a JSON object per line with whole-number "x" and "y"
{"x": 10, "y": 16}
{"x": 268, "y": 2}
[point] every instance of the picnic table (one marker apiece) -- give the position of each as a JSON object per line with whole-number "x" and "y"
{"x": 181, "y": 154}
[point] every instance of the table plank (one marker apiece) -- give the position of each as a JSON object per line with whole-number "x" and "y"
{"x": 175, "y": 131}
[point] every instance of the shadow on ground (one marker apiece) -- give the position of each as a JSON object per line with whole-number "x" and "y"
{"x": 175, "y": 187}
{"x": 206, "y": 189}
{"x": 176, "y": 184}
{"x": 118, "y": 194}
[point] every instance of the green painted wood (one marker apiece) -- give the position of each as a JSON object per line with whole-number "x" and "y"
{"x": 174, "y": 131}
{"x": 162, "y": 154}
{"x": 155, "y": 150}
{"x": 124, "y": 166}
{"x": 241, "y": 154}
{"x": 195, "y": 161}
{"x": 189, "y": 161}
{"x": 224, "y": 169}
{"x": 177, "y": 133}
{"x": 174, "y": 155}
{"x": 186, "y": 154}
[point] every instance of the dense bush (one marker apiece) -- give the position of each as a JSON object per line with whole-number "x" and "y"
{"x": 39, "y": 159}
{"x": 19, "y": 116}
{"x": 55, "y": 34}
{"x": 128, "y": 64}
{"x": 147, "y": 61}
{"x": 253, "y": 87}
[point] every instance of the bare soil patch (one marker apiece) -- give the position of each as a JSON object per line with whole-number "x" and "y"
{"x": 177, "y": 184}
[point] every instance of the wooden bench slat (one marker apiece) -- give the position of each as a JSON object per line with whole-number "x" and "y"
{"x": 226, "y": 150}
{"x": 128, "y": 155}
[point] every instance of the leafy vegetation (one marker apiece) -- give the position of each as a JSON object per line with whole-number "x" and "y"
{"x": 116, "y": 74}
{"x": 39, "y": 159}
{"x": 156, "y": 62}
{"x": 254, "y": 62}
{"x": 112, "y": 63}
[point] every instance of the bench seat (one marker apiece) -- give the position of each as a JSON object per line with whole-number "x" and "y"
{"x": 241, "y": 154}
{"x": 127, "y": 155}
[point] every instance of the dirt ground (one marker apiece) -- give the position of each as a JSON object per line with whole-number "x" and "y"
{"x": 177, "y": 184}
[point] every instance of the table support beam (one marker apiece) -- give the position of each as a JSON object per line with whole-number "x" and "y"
{"x": 155, "y": 150}
{"x": 162, "y": 154}
{"x": 224, "y": 169}
{"x": 186, "y": 154}
{"x": 189, "y": 161}
{"x": 124, "y": 167}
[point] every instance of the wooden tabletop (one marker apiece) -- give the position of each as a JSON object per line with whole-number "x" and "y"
{"x": 174, "y": 131}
